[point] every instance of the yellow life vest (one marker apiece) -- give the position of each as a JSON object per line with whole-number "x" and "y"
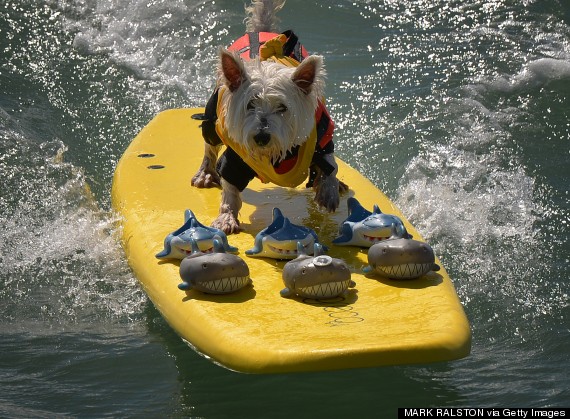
{"x": 293, "y": 175}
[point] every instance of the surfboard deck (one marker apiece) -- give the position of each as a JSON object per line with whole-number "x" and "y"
{"x": 255, "y": 330}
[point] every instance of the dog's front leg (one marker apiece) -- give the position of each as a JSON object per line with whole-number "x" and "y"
{"x": 207, "y": 177}
{"x": 227, "y": 220}
{"x": 328, "y": 187}
{"x": 327, "y": 192}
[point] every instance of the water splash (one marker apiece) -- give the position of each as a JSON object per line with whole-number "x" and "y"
{"x": 168, "y": 46}
{"x": 61, "y": 261}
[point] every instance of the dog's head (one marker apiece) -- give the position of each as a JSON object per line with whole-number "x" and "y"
{"x": 269, "y": 107}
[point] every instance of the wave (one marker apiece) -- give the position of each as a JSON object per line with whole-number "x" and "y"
{"x": 472, "y": 194}
{"x": 458, "y": 122}
{"x": 534, "y": 74}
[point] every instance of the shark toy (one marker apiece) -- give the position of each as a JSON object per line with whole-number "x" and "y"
{"x": 279, "y": 239}
{"x": 178, "y": 244}
{"x": 364, "y": 228}
{"x": 213, "y": 273}
{"x": 318, "y": 276}
{"x": 400, "y": 258}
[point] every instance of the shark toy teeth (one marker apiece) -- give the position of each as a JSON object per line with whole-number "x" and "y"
{"x": 279, "y": 239}
{"x": 400, "y": 258}
{"x": 364, "y": 228}
{"x": 213, "y": 273}
{"x": 317, "y": 277}
{"x": 178, "y": 244}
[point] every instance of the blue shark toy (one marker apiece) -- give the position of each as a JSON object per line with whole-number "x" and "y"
{"x": 364, "y": 228}
{"x": 279, "y": 239}
{"x": 178, "y": 244}
{"x": 216, "y": 272}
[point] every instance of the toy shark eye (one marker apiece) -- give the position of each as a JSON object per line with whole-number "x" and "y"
{"x": 204, "y": 265}
{"x": 281, "y": 109}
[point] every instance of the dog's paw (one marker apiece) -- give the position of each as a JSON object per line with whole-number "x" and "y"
{"x": 206, "y": 179}
{"x": 327, "y": 193}
{"x": 227, "y": 223}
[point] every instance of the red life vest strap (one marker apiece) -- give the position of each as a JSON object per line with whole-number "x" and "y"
{"x": 325, "y": 125}
{"x": 249, "y": 44}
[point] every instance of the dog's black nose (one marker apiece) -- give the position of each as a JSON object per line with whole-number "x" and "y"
{"x": 262, "y": 138}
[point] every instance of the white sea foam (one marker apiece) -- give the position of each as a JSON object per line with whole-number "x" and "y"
{"x": 172, "y": 44}
{"x": 60, "y": 258}
{"x": 474, "y": 201}
{"x": 533, "y": 74}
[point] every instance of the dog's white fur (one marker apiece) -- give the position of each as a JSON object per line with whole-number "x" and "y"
{"x": 270, "y": 98}
{"x": 261, "y": 16}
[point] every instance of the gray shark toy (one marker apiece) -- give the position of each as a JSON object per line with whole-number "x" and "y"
{"x": 279, "y": 239}
{"x": 213, "y": 273}
{"x": 178, "y": 244}
{"x": 318, "y": 276}
{"x": 399, "y": 258}
{"x": 364, "y": 228}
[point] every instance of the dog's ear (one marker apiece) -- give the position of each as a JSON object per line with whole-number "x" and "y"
{"x": 308, "y": 72}
{"x": 232, "y": 68}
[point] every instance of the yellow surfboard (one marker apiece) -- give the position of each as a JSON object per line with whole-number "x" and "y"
{"x": 255, "y": 330}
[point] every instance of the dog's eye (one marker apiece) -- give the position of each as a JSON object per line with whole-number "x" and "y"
{"x": 282, "y": 109}
{"x": 251, "y": 105}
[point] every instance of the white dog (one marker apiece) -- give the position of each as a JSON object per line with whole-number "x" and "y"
{"x": 268, "y": 111}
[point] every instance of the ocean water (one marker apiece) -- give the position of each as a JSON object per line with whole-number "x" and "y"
{"x": 458, "y": 110}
